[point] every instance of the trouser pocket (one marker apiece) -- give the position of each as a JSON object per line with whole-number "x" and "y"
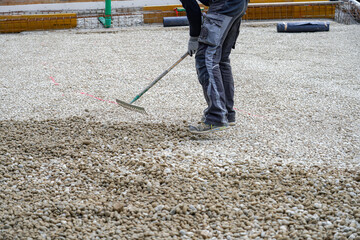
{"x": 214, "y": 28}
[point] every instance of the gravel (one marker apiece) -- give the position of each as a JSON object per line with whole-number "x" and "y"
{"x": 74, "y": 165}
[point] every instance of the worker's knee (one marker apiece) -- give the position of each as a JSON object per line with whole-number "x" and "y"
{"x": 202, "y": 72}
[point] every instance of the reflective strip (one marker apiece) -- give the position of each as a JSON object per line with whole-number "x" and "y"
{"x": 217, "y": 65}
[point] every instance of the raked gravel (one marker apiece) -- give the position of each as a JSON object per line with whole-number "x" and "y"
{"x": 75, "y": 165}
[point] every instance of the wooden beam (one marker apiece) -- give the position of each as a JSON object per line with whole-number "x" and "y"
{"x": 259, "y": 11}
{"x": 20, "y": 23}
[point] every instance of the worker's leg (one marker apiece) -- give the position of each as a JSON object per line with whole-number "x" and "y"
{"x": 209, "y": 74}
{"x": 225, "y": 68}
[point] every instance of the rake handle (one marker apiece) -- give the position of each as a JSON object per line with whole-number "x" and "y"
{"x": 159, "y": 77}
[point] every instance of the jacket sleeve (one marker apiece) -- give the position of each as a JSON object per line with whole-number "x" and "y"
{"x": 193, "y": 13}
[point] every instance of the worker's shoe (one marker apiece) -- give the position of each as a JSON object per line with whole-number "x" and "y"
{"x": 207, "y": 128}
{"x": 231, "y": 122}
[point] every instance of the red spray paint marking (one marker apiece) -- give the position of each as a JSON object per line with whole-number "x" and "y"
{"x": 86, "y": 94}
{"x": 53, "y": 80}
{"x": 97, "y": 98}
{"x": 102, "y": 100}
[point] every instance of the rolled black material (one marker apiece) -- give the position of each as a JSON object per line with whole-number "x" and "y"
{"x": 303, "y": 27}
{"x": 175, "y": 21}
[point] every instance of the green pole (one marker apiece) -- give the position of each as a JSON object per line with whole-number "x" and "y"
{"x": 107, "y": 13}
{"x": 107, "y": 20}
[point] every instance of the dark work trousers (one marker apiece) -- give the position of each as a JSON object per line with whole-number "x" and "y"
{"x": 215, "y": 76}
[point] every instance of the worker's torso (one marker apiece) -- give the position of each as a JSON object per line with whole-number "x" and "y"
{"x": 228, "y": 7}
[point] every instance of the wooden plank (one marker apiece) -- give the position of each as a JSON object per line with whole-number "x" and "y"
{"x": 302, "y": 3}
{"x": 259, "y": 11}
{"x": 19, "y": 23}
{"x": 155, "y": 14}
{"x": 283, "y": 1}
{"x": 293, "y": 10}
{"x": 166, "y": 8}
{"x": 22, "y": 2}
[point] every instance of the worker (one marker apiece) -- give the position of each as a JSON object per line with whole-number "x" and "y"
{"x": 212, "y": 39}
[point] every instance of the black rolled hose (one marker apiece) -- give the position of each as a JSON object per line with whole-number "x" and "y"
{"x": 303, "y": 27}
{"x": 175, "y": 21}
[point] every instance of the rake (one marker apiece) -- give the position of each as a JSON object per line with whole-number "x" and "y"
{"x": 141, "y": 109}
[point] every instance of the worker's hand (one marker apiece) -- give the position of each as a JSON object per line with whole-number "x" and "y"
{"x": 193, "y": 45}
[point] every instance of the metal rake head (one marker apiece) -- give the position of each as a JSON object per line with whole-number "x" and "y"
{"x": 131, "y": 107}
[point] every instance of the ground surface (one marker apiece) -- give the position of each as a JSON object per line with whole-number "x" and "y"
{"x": 74, "y": 165}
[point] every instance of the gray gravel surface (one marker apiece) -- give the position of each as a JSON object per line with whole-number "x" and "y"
{"x": 74, "y": 165}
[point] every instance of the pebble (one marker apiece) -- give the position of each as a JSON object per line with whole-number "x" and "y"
{"x": 118, "y": 207}
{"x": 318, "y": 205}
{"x": 205, "y": 234}
{"x": 159, "y": 208}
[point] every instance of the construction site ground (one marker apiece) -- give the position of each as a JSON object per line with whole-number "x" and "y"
{"x": 75, "y": 165}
